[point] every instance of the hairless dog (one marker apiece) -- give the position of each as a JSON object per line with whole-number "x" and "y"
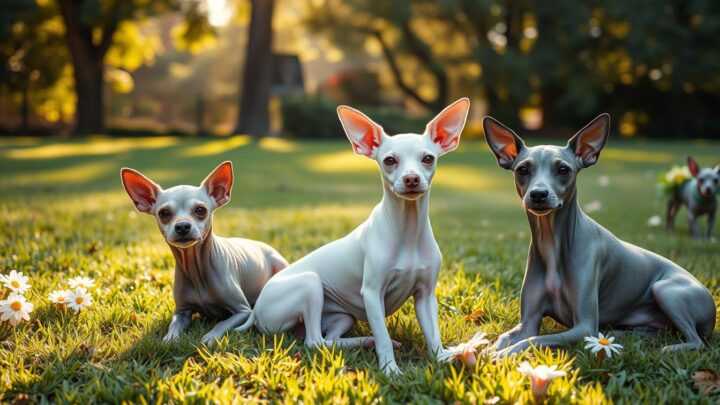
{"x": 578, "y": 273}
{"x": 370, "y": 273}
{"x": 214, "y": 276}
{"x": 699, "y": 194}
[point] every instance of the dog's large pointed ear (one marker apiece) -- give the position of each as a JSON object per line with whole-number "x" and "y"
{"x": 693, "y": 166}
{"x": 717, "y": 169}
{"x": 446, "y": 127}
{"x": 589, "y": 141}
{"x": 505, "y": 144}
{"x": 141, "y": 190}
{"x": 364, "y": 134}
{"x": 218, "y": 184}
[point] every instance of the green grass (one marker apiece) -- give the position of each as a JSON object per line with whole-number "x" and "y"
{"x": 63, "y": 212}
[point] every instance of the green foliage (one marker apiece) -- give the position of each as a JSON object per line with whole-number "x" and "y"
{"x": 64, "y": 213}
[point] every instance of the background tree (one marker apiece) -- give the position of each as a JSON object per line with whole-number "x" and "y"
{"x": 254, "y": 86}
{"x": 90, "y": 27}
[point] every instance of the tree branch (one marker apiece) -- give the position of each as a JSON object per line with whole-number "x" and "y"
{"x": 108, "y": 30}
{"x": 397, "y": 74}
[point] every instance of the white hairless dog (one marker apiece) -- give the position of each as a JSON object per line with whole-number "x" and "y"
{"x": 370, "y": 273}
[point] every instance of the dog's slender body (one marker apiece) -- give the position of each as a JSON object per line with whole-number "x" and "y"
{"x": 370, "y": 273}
{"x": 699, "y": 195}
{"x": 217, "y": 277}
{"x": 579, "y": 273}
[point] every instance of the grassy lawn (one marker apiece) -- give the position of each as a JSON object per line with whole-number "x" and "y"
{"x": 63, "y": 212}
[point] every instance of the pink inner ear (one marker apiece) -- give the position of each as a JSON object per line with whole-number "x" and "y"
{"x": 694, "y": 168}
{"x": 370, "y": 141}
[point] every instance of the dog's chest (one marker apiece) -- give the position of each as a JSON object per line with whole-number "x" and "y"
{"x": 553, "y": 281}
{"x": 408, "y": 271}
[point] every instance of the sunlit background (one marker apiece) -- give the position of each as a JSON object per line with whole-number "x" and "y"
{"x": 279, "y": 67}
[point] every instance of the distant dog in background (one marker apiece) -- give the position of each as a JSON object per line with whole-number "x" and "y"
{"x": 698, "y": 193}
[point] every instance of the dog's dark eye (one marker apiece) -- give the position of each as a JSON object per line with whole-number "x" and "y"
{"x": 164, "y": 213}
{"x": 522, "y": 171}
{"x": 390, "y": 161}
{"x": 428, "y": 159}
{"x": 563, "y": 170}
{"x": 200, "y": 211}
{"x": 715, "y": 181}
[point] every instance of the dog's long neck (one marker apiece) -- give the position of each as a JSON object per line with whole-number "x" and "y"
{"x": 408, "y": 217}
{"x": 193, "y": 260}
{"x": 551, "y": 232}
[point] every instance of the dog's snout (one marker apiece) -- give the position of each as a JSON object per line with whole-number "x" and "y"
{"x": 183, "y": 228}
{"x": 538, "y": 196}
{"x": 411, "y": 180}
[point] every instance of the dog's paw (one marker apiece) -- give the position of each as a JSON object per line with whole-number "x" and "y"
{"x": 396, "y": 344}
{"x": 210, "y": 339}
{"x": 369, "y": 343}
{"x": 392, "y": 370}
{"x": 171, "y": 337}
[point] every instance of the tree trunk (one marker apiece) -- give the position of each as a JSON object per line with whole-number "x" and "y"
{"x": 254, "y": 115}
{"x": 88, "y": 66}
{"x": 89, "y": 88}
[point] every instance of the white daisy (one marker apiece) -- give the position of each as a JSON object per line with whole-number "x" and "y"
{"x": 15, "y": 308}
{"x": 60, "y": 297}
{"x": 603, "y": 345}
{"x": 15, "y": 282}
{"x": 79, "y": 299}
{"x": 540, "y": 377}
{"x": 464, "y": 352}
{"x": 81, "y": 282}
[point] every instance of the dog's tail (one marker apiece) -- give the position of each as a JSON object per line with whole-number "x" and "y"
{"x": 248, "y": 324}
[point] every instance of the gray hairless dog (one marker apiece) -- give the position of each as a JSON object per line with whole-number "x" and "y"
{"x": 217, "y": 277}
{"x": 578, "y": 273}
{"x": 700, "y": 196}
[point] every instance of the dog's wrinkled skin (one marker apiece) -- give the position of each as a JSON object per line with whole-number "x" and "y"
{"x": 371, "y": 272}
{"x": 578, "y": 273}
{"x": 699, "y": 195}
{"x": 216, "y": 277}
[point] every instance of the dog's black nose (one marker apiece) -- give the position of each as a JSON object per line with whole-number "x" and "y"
{"x": 411, "y": 180}
{"x": 183, "y": 228}
{"x": 538, "y": 196}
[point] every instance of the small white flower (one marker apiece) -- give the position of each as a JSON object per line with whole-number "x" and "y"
{"x": 465, "y": 352}
{"x": 15, "y": 308}
{"x": 603, "y": 181}
{"x": 60, "y": 297}
{"x": 79, "y": 299}
{"x": 81, "y": 282}
{"x": 540, "y": 377}
{"x": 593, "y": 206}
{"x": 15, "y": 282}
{"x": 602, "y": 342}
{"x": 654, "y": 220}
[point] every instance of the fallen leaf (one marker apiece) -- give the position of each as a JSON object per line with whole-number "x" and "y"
{"x": 297, "y": 356}
{"x": 706, "y": 381}
{"x": 475, "y": 316}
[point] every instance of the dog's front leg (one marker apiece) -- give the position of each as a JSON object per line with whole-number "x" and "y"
{"x": 180, "y": 322}
{"x": 375, "y": 311}
{"x": 220, "y": 328}
{"x": 585, "y": 320}
{"x": 710, "y": 225}
{"x": 694, "y": 230}
{"x": 532, "y": 305}
{"x": 426, "y": 310}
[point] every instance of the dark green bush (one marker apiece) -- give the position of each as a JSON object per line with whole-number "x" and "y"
{"x": 315, "y": 117}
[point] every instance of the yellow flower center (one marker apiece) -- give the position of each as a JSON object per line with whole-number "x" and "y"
{"x": 604, "y": 342}
{"x": 16, "y": 306}
{"x": 15, "y": 284}
{"x": 61, "y": 299}
{"x": 79, "y": 300}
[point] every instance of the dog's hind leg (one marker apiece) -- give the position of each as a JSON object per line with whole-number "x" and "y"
{"x": 337, "y": 324}
{"x": 690, "y": 308}
{"x": 673, "y": 205}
